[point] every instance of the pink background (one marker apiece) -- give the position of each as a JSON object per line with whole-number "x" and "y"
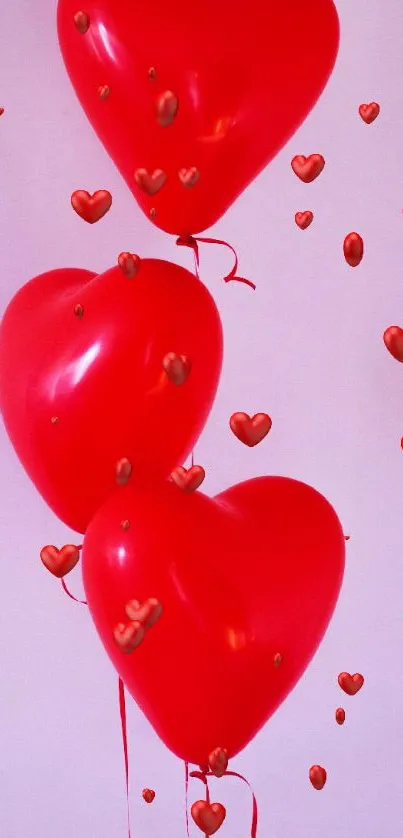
{"x": 306, "y": 348}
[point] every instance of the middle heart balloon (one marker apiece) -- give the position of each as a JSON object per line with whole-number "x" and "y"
{"x": 99, "y": 369}
{"x": 201, "y": 96}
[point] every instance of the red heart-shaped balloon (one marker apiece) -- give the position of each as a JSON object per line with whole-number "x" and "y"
{"x": 200, "y": 102}
{"x": 240, "y": 577}
{"x": 86, "y": 400}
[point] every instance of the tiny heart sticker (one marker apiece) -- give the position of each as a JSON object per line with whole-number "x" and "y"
{"x": 350, "y": 684}
{"x": 189, "y": 177}
{"x": 147, "y": 613}
{"x": 208, "y": 816}
{"x": 353, "y": 249}
{"x": 317, "y": 776}
{"x": 60, "y": 562}
{"x": 250, "y": 430}
{"x": 104, "y": 91}
{"x": 176, "y": 367}
{"x": 129, "y": 263}
{"x": 91, "y": 208}
{"x": 369, "y": 112}
{"x": 148, "y": 795}
{"x": 188, "y": 479}
{"x": 123, "y": 471}
{"x": 218, "y": 761}
{"x": 340, "y": 716}
{"x": 82, "y": 22}
{"x": 150, "y": 183}
{"x": 167, "y": 108}
{"x": 308, "y": 168}
{"x": 128, "y": 637}
{"x": 303, "y": 219}
{"x": 393, "y": 340}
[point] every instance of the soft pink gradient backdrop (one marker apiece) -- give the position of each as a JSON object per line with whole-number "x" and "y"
{"x": 307, "y": 348}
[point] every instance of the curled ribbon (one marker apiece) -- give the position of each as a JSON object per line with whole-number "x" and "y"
{"x": 202, "y": 775}
{"x": 190, "y": 241}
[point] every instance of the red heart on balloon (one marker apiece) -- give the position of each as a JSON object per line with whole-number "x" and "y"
{"x": 208, "y": 816}
{"x": 216, "y": 92}
{"x": 128, "y": 636}
{"x": 147, "y": 613}
{"x": 240, "y": 576}
{"x": 218, "y": 762}
{"x": 91, "y": 207}
{"x": 85, "y": 400}
{"x": 60, "y": 562}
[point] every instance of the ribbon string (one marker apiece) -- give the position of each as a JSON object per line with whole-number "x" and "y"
{"x": 202, "y": 775}
{"x": 192, "y": 242}
{"x": 66, "y": 590}
{"x": 187, "y": 798}
{"x": 122, "y": 707}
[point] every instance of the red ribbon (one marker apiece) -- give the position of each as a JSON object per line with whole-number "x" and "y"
{"x": 187, "y": 797}
{"x": 65, "y": 588}
{"x": 190, "y": 241}
{"x": 122, "y": 707}
{"x": 202, "y": 775}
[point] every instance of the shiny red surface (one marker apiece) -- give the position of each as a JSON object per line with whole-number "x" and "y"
{"x": 245, "y": 73}
{"x": 242, "y": 578}
{"x": 101, "y": 376}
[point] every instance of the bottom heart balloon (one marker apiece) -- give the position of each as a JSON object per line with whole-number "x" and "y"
{"x": 250, "y": 574}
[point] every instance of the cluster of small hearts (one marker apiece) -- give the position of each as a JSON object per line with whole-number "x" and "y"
{"x": 107, "y": 381}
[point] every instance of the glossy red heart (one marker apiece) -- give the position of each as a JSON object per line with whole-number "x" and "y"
{"x": 304, "y": 219}
{"x": 240, "y": 576}
{"x": 393, "y": 340}
{"x": 218, "y": 762}
{"x": 128, "y": 636}
{"x": 208, "y": 816}
{"x": 91, "y": 207}
{"x": 308, "y": 168}
{"x": 129, "y": 263}
{"x": 353, "y": 249}
{"x": 147, "y": 613}
{"x": 369, "y": 112}
{"x": 351, "y": 684}
{"x": 216, "y": 91}
{"x": 60, "y": 562}
{"x": 81, "y": 395}
{"x": 250, "y": 429}
{"x": 318, "y": 777}
{"x": 188, "y": 479}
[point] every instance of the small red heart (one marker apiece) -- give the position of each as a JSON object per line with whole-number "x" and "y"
{"x": 340, "y": 716}
{"x": 123, "y": 471}
{"x": 369, "y": 112}
{"x": 303, "y": 219}
{"x": 177, "y": 368}
{"x": 150, "y": 183}
{"x": 308, "y": 168}
{"x": 1, "y": 111}
{"x": 393, "y": 340}
{"x": 128, "y": 636}
{"x": 104, "y": 91}
{"x": 250, "y": 430}
{"x": 351, "y": 684}
{"x": 277, "y": 660}
{"x": 91, "y": 207}
{"x": 60, "y": 562}
{"x": 129, "y": 263}
{"x": 188, "y": 479}
{"x": 218, "y": 762}
{"x": 189, "y": 177}
{"x": 208, "y": 816}
{"x": 353, "y": 249}
{"x": 147, "y": 613}
{"x": 82, "y": 22}
{"x": 148, "y": 795}
{"x": 167, "y": 108}
{"x": 317, "y": 776}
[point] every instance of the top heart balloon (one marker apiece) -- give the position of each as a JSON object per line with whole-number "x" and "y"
{"x": 198, "y": 100}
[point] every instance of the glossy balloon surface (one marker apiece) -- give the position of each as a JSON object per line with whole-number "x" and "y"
{"x": 243, "y": 579}
{"x": 201, "y": 95}
{"x": 82, "y": 383}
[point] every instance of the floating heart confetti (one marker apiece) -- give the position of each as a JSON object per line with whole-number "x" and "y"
{"x": 148, "y": 795}
{"x": 189, "y": 177}
{"x": 60, "y": 562}
{"x": 167, "y": 108}
{"x": 147, "y": 613}
{"x": 152, "y": 73}
{"x": 79, "y": 311}
{"x": 129, "y": 264}
{"x": 317, "y": 776}
{"x": 369, "y": 112}
{"x": 177, "y": 368}
{"x": 278, "y": 659}
{"x": 208, "y": 816}
{"x": 250, "y": 430}
{"x": 353, "y": 249}
{"x": 347, "y": 538}
{"x": 218, "y": 762}
{"x": 1, "y": 111}
{"x": 82, "y": 22}
{"x": 303, "y": 219}
{"x": 123, "y": 471}
{"x": 340, "y": 716}
{"x": 188, "y": 479}
{"x": 393, "y": 340}
{"x": 150, "y": 183}
{"x": 104, "y": 91}
{"x": 351, "y": 684}
{"x": 308, "y": 168}
{"x": 128, "y": 637}
{"x": 91, "y": 207}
